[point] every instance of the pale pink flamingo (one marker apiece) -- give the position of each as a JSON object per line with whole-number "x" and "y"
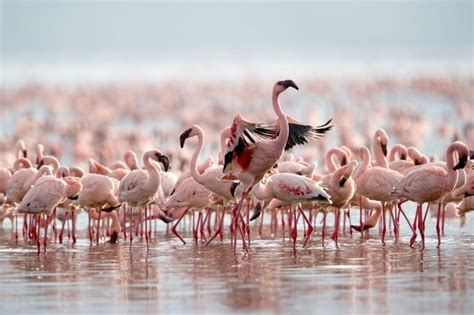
{"x": 341, "y": 156}
{"x": 189, "y": 195}
{"x": 139, "y": 187}
{"x": 44, "y": 196}
{"x": 380, "y": 143}
{"x": 376, "y": 183}
{"x": 294, "y": 189}
{"x": 250, "y": 152}
{"x": 297, "y": 168}
{"x": 430, "y": 183}
{"x": 210, "y": 178}
{"x": 341, "y": 187}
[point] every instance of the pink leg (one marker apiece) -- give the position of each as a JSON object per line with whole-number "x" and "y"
{"x": 73, "y": 226}
{"x": 62, "y": 228}
{"x": 413, "y": 238}
{"x": 131, "y": 228}
{"x": 176, "y": 225}
{"x": 261, "y": 224}
{"x": 310, "y": 227}
{"x": 384, "y": 223}
{"x": 283, "y": 224}
{"x": 219, "y": 230}
{"x": 146, "y": 229}
{"x": 323, "y": 232}
{"x": 38, "y": 243}
{"x": 421, "y": 227}
{"x": 98, "y": 228}
{"x": 442, "y": 222}
{"x": 437, "y": 225}
{"x": 89, "y": 225}
{"x": 45, "y": 240}
{"x": 125, "y": 222}
{"x": 361, "y": 218}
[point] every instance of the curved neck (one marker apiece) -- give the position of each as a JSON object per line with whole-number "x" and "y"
{"x": 452, "y": 177}
{"x": 261, "y": 191}
{"x": 153, "y": 172}
{"x": 380, "y": 159}
{"x": 284, "y": 129}
{"x": 365, "y": 155}
{"x": 39, "y": 150}
{"x": 329, "y": 159}
{"x": 225, "y": 134}
{"x": 21, "y": 163}
{"x": 397, "y": 150}
{"x": 51, "y": 160}
{"x": 194, "y": 171}
{"x": 44, "y": 170}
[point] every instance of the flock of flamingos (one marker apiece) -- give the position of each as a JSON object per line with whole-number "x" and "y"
{"x": 246, "y": 180}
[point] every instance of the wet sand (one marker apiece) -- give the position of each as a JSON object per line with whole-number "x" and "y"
{"x": 357, "y": 277}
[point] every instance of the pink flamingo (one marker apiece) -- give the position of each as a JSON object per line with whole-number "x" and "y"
{"x": 139, "y": 187}
{"x": 248, "y": 159}
{"x": 430, "y": 183}
{"x": 376, "y": 183}
{"x": 210, "y": 177}
{"x": 294, "y": 189}
{"x": 188, "y": 196}
{"x": 341, "y": 157}
{"x": 44, "y": 196}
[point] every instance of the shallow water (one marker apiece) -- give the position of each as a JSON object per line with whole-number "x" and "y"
{"x": 356, "y": 277}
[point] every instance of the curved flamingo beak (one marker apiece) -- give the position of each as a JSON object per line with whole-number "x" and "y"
{"x": 290, "y": 83}
{"x": 184, "y": 136}
{"x": 256, "y": 211}
{"x": 165, "y": 161}
{"x": 461, "y": 164}
{"x": 384, "y": 149}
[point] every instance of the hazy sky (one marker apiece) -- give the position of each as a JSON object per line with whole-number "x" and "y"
{"x": 121, "y": 29}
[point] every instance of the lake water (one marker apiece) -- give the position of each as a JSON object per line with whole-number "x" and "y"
{"x": 356, "y": 277}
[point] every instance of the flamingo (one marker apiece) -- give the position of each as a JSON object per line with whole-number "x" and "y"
{"x": 210, "y": 177}
{"x": 294, "y": 189}
{"x": 139, "y": 187}
{"x": 252, "y": 150}
{"x": 44, "y": 196}
{"x": 430, "y": 183}
{"x": 338, "y": 153}
{"x": 376, "y": 182}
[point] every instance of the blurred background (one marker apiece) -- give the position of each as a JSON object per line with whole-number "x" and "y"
{"x": 96, "y": 78}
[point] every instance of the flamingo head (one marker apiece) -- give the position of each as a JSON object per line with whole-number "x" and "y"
{"x": 281, "y": 86}
{"x": 462, "y": 163}
{"x": 185, "y": 135}
{"x": 163, "y": 159}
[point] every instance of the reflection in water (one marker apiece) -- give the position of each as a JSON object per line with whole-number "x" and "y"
{"x": 357, "y": 277}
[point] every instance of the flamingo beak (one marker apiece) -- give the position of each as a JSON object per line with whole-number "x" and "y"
{"x": 290, "y": 83}
{"x": 384, "y": 149}
{"x": 184, "y": 136}
{"x": 25, "y": 153}
{"x": 256, "y": 211}
{"x": 471, "y": 155}
{"x": 461, "y": 164}
{"x": 165, "y": 161}
{"x": 40, "y": 163}
{"x": 342, "y": 182}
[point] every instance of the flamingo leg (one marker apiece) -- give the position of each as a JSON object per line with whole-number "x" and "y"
{"x": 421, "y": 227}
{"x": 442, "y": 220}
{"x": 45, "y": 239}
{"x": 131, "y": 228}
{"x": 395, "y": 225}
{"x": 349, "y": 218}
{"x": 98, "y": 228}
{"x": 283, "y": 224}
{"x": 73, "y": 226}
{"x": 89, "y": 225}
{"x": 413, "y": 238}
{"x": 176, "y": 225}
{"x": 38, "y": 243}
{"x": 146, "y": 229}
{"x": 384, "y": 223}
{"x": 219, "y": 229}
{"x": 437, "y": 225}
{"x": 62, "y": 228}
{"x": 310, "y": 227}
{"x": 261, "y": 223}
{"x": 361, "y": 218}
{"x": 323, "y": 232}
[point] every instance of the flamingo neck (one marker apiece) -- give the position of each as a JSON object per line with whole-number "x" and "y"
{"x": 43, "y": 171}
{"x": 452, "y": 177}
{"x": 261, "y": 191}
{"x": 284, "y": 129}
{"x": 21, "y": 163}
{"x": 380, "y": 159}
{"x": 153, "y": 173}
{"x": 194, "y": 171}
